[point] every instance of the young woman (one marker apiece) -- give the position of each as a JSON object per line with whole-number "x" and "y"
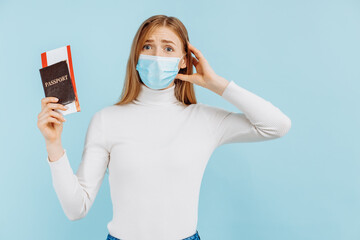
{"x": 156, "y": 141}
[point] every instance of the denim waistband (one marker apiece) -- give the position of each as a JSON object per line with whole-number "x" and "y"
{"x": 196, "y": 236}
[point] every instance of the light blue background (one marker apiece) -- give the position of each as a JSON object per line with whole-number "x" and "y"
{"x": 303, "y": 56}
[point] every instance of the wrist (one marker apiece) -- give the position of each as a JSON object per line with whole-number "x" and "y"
{"x": 54, "y": 150}
{"x": 51, "y": 143}
{"x": 218, "y": 84}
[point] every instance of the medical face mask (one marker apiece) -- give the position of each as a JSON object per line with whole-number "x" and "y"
{"x": 157, "y": 72}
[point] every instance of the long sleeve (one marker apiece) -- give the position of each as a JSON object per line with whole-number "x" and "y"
{"x": 260, "y": 120}
{"x": 77, "y": 193}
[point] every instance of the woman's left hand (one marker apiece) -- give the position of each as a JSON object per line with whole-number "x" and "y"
{"x": 205, "y": 75}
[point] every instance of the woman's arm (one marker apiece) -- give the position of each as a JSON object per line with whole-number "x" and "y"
{"x": 260, "y": 120}
{"x": 77, "y": 193}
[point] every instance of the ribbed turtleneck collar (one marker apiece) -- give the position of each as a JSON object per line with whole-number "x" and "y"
{"x": 161, "y": 97}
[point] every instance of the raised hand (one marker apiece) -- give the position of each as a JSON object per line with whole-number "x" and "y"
{"x": 205, "y": 76}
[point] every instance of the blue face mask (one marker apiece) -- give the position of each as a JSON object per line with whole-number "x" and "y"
{"x": 157, "y": 72}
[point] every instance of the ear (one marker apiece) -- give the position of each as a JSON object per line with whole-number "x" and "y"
{"x": 183, "y": 63}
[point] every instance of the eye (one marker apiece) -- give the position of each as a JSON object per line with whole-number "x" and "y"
{"x": 170, "y": 48}
{"x": 146, "y": 46}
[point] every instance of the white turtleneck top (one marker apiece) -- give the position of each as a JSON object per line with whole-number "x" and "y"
{"x": 156, "y": 150}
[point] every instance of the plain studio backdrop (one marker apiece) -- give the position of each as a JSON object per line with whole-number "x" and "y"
{"x": 302, "y": 56}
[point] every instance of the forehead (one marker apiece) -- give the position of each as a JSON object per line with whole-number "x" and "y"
{"x": 165, "y": 33}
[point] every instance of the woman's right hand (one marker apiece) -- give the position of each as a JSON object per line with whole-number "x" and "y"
{"x": 50, "y": 122}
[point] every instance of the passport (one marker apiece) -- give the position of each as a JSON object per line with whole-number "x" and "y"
{"x": 56, "y": 82}
{"x": 58, "y": 79}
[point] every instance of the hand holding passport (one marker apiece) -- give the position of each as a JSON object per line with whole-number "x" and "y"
{"x": 58, "y": 78}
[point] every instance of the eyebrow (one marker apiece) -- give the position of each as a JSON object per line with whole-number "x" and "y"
{"x": 163, "y": 40}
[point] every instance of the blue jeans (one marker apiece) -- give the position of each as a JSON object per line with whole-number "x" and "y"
{"x": 196, "y": 236}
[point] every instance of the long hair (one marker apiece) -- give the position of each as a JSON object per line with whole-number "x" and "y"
{"x": 184, "y": 90}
